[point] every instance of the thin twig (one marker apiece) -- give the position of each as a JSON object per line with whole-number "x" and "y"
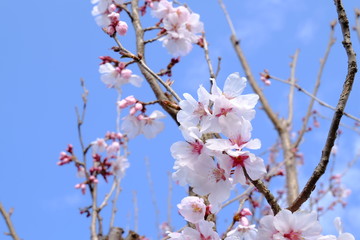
{"x": 155, "y": 38}
{"x": 8, "y": 222}
{"x": 170, "y": 192}
{"x": 218, "y": 67}
{"x": 114, "y": 208}
{"x": 291, "y": 92}
{"x": 349, "y": 80}
{"x": 321, "y": 102}
{"x": 207, "y": 57}
{"x": 265, "y": 191}
{"x": 353, "y": 128}
{"x": 153, "y": 194}
{"x": 136, "y": 212}
{"x": 357, "y": 23}
{"x": 316, "y": 87}
{"x": 94, "y": 213}
{"x": 108, "y": 196}
{"x": 236, "y": 44}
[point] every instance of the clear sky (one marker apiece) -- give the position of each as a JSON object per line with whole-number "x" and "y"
{"x": 47, "y": 46}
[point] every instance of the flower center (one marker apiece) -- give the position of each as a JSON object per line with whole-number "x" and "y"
{"x": 293, "y": 236}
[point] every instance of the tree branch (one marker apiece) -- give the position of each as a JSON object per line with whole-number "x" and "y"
{"x": 236, "y": 44}
{"x": 9, "y": 223}
{"x": 149, "y": 75}
{"x": 265, "y": 191}
{"x": 349, "y": 80}
{"x": 291, "y": 93}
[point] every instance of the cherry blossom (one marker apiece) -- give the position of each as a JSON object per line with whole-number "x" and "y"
{"x": 290, "y": 226}
{"x": 204, "y": 231}
{"x": 99, "y": 145}
{"x": 211, "y": 178}
{"x": 194, "y": 112}
{"x": 192, "y": 209}
{"x": 181, "y": 27}
{"x": 115, "y": 77}
{"x": 242, "y": 232}
{"x": 119, "y": 166}
{"x": 150, "y": 125}
{"x": 230, "y": 101}
{"x": 102, "y": 10}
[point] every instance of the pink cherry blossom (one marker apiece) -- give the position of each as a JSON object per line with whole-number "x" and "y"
{"x": 121, "y": 28}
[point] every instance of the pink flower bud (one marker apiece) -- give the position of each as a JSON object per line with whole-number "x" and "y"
{"x": 131, "y": 100}
{"x": 138, "y": 106}
{"x": 140, "y": 117}
{"x": 126, "y": 73}
{"x": 110, "y": 30}
{"x": 121, "y": 28}
{"x": 114, "y": 17}
{"x": 133, "y": 110}
{"x": 245, "y": 212}
{"x": 112, "y": 8}
{"x": 77, "y": 186}
{"x": 122, "y": 104}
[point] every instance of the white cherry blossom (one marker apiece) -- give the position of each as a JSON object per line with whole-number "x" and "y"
{"x": 192, "y": 209}
{"x": 242, "y": 232}
{"x": 290, "y": 226}
{"x": 116, "y": 77}
{"x": 204, "y": 230}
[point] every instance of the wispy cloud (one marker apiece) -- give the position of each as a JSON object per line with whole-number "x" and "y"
{"x": 306, "y": 31}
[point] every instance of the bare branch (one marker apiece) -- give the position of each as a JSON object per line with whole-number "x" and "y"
{"x": 136, "y": 211}
{"x": 169, "y": 200}
{"x": 236, "y": 44}
{"x": 316, "y": 88}
{"x": 349, "y": 80}
{"x": 265, "y": 191}
{"x": 149, "y": 75}
{"x": 152, "y": 192}
{"x": 321, "y": 102}
{"x": 114, "y": 208}
{"x": 357, "y": 26}
{"x": 291, "y": 93}
{"x": 8, "y": 222}
{"x": 207, "y": 57}
{"x": 94, "y": 213}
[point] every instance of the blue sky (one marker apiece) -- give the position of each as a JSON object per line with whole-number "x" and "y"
{"x": 47, "y": 46}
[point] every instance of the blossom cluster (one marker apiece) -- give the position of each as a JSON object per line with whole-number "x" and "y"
{"x": 115, "y": 74}
{"x": 180, "y": 25}
{"x": 212, "y": 167}
{"x": 142, "y": 123}
{"x": 284, "y": 226}
{"x": 107, "y": 14}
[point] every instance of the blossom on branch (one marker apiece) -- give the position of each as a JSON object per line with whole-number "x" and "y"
{"x": 115, "y": 77}
{"x": 290, "y": 226}
{"x": 182, "y": 27}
